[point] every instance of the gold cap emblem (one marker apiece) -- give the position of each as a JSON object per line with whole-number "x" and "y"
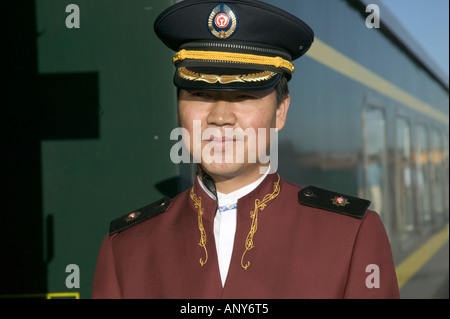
{"x": 222, "y": 21}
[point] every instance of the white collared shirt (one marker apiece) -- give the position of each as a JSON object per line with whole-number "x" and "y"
{"x": 225, "y": 222}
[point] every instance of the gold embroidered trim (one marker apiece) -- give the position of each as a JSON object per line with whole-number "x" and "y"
{"x": 202, "y": 243}
{"x": 259, "y": 205}
{"x": 218, "y": 56}
{"x": 187, "y": 74}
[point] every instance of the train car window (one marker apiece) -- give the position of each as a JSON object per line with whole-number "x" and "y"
{"x": 445, "y": 175}
{"x": 423, "y": 194}
{"x": 437, "y": 173}
{"x": 375, "y": 163}
{"x": 404, "y": 201}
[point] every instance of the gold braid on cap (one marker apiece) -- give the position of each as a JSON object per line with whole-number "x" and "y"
{"x": 187, "y": 74}
{"x": 218, "y": 56}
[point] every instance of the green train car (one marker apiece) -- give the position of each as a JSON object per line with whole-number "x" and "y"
{"x": 90, "y": 106}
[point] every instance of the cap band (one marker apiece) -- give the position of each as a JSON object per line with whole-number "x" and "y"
{"x": 277, "y": 62}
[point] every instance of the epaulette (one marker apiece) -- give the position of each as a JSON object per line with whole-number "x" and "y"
{"x": 139, "y": 215}
{"x": 334, "y": 202}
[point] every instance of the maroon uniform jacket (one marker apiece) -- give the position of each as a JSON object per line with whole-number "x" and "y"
{"x": 289, "y": 243}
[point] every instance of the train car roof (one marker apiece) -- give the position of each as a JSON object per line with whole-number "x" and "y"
{"x": 391, "y": 26}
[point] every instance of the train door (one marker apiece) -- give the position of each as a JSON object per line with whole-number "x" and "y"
{"x": 437, "y": 175}
{"x": 404, "y": 200}
{"x": 423, "y": 194}
{"x": 375, "y": 162}
{"x": 445, "y": 173}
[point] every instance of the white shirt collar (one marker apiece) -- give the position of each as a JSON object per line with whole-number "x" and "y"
{"x": 233, "y": 197}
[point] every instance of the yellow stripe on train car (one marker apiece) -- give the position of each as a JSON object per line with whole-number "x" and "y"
{"x": 411, "y": 265}
{"x": 328, "y": 56}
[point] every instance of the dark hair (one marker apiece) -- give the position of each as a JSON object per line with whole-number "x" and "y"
{"x": 282, "y": 90}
